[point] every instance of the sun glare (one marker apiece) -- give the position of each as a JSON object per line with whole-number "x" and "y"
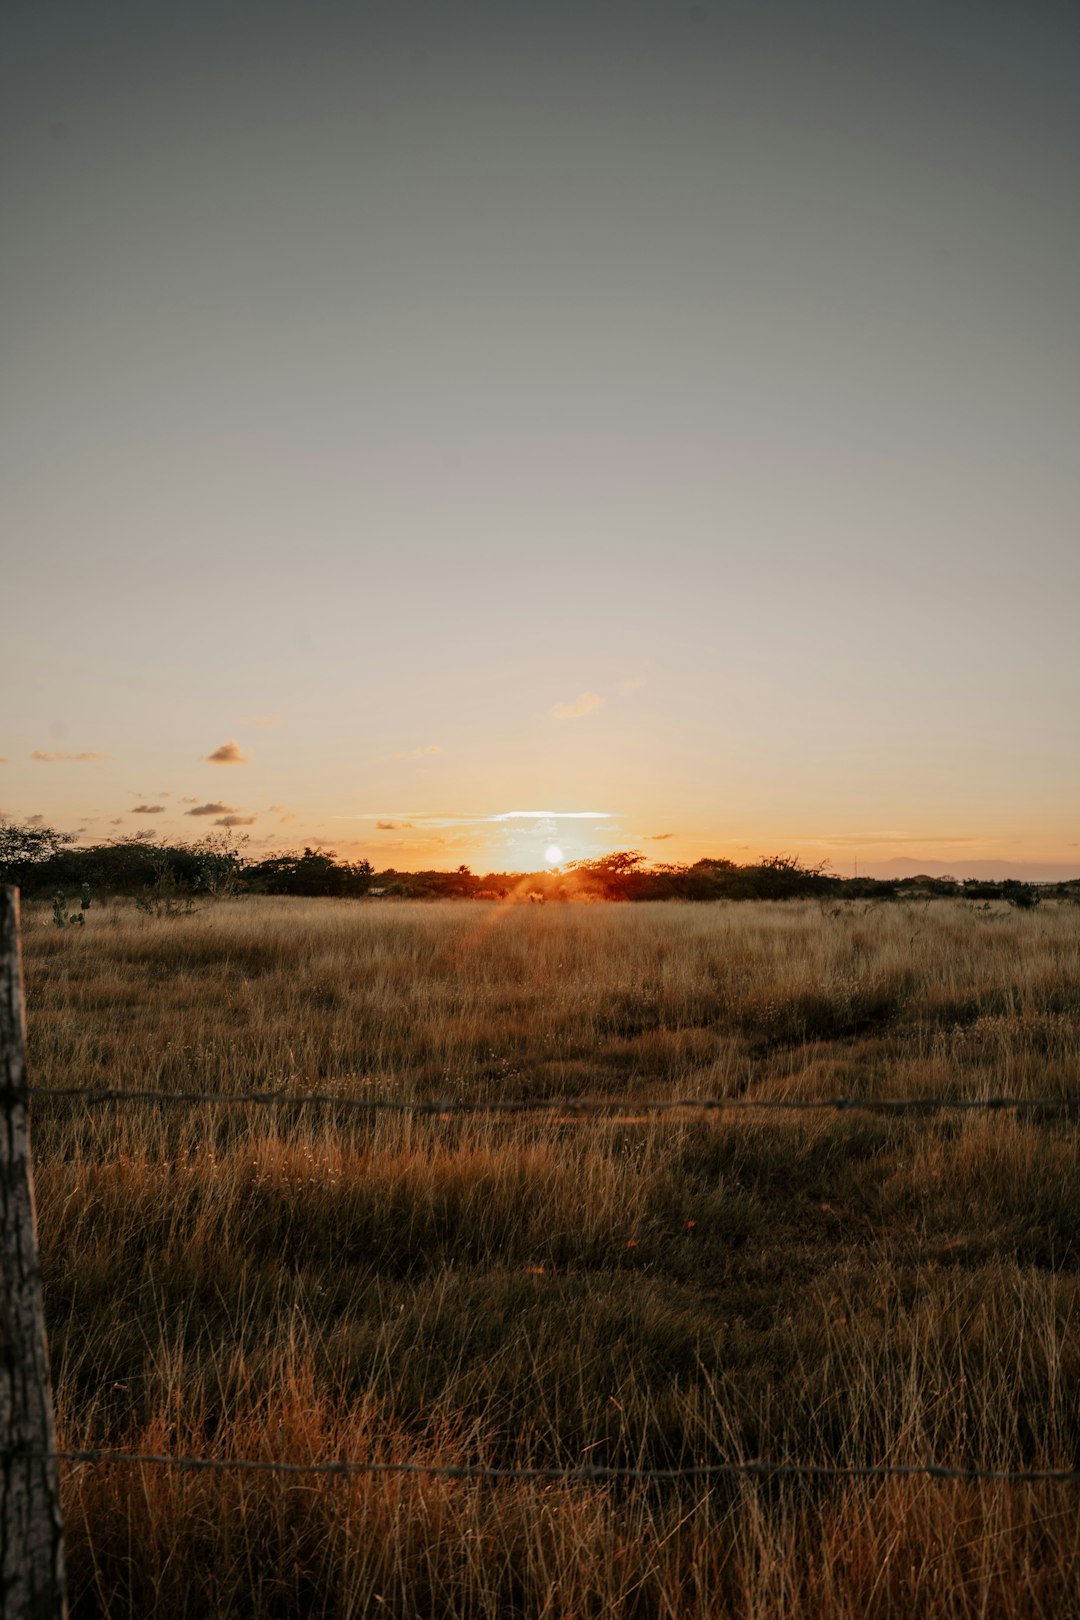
{"x": 553, "y": 855}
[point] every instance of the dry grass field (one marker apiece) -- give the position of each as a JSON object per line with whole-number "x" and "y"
{"x": 829, "y": 1288}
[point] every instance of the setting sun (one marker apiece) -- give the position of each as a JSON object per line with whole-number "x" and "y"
{"x": 553, "y": 855}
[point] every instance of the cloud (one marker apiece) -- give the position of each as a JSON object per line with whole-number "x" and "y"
{"x": 392, "y": 826}
{"x": 634, "y": 684}
{"x": 165, "y": 793}
{"x": 146, "y": 810}
{"x": 420, "y": 753}
{"x": 189, "y": 798}
{"x": 79, "y": 759}
{"x": 36, "y": 821}
{"x": 211, "y": 810}
{"x": 262, "y": 722}
{"x": 235, "y": 821}
{"x": 658, "y": 838}
{"x": 3, "y": 759}
{"x": 554, "y": 815}
{"x": 229, "y": 753}
{"x": 432, "y": 818}
{"x": 117, "y": 821}
{"x": 584, "y": 703}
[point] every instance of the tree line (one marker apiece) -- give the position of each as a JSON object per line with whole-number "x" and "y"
{"x": 47, "y": 863}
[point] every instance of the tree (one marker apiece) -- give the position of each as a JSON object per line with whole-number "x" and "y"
{"x": 25, "y": 846}
{"x": 316, "y": 872}
{"x": 614, "y": 876}
{"x": 221, "y": 862}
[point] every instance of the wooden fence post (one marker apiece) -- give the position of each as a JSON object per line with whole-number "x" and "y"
{"x": 31, "y": 1533}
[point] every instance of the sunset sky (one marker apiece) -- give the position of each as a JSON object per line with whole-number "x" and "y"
{"x": 487, "y": 426}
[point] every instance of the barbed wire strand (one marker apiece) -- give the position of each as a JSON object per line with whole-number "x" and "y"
{"x": 570, "y": 1106}
{"x": 592, "y": 1473}
{"x": 573, "y": 1107}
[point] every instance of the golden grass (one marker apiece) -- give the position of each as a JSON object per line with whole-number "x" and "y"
{"x": 831, "y": 1289}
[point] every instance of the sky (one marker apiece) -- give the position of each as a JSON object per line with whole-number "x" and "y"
{"x": 448, "y": 432}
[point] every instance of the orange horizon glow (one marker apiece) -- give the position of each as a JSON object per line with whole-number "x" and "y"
{"x": 251, "y": 800}
{"x": 533, "y": 854}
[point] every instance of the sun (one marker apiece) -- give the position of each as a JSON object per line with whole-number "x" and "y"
{"x": 553, "y": 855}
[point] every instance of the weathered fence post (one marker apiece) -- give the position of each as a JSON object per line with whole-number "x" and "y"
{"x": 31, "y": 1534}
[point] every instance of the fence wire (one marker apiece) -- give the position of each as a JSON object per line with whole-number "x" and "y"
{"x": 573, "y": 1108}
{"x": 592, "y": 1473}
{"x": 570, "y": 1107}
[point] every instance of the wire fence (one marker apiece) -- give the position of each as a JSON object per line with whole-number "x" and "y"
{"x": 30, "y": 1520}
{"x": 570, "y": 1107}
{"x": 584, "y": 1108}
{"x": 554, "y": 1110}
{"x": 590, "y": 1473}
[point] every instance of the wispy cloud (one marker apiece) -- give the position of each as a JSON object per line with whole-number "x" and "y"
{"x": 393, "y": 826}
{"x": 212, "y": 810}
{"x": 658, "y": 838}
{"x": 634, "y": 684}
{"x": 146, "y": 810}
{"x": 79, "y": 759}
{"x": 3, "y": 759}
{"x": 432, "y": 818}
{"x": 550, "y": 815}
{"x": 420, "y": 753}
{"x": 235, "y": 821}
{"x": 117, "y": 821}
{"x": 262, "y": 722}
{"x": 230, "y": 753}
{"x": 584, "y": 703}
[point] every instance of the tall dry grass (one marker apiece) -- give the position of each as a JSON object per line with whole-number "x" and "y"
{"x": 838, "y": 1289}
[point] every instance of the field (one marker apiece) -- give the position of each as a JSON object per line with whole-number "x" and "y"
{"x": 835, "y": 1288}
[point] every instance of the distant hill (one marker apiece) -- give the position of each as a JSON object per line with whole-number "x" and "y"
{"x": 901, "y": 866}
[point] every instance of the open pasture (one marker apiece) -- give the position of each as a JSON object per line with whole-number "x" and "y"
{"x": 292, "y": 1283}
